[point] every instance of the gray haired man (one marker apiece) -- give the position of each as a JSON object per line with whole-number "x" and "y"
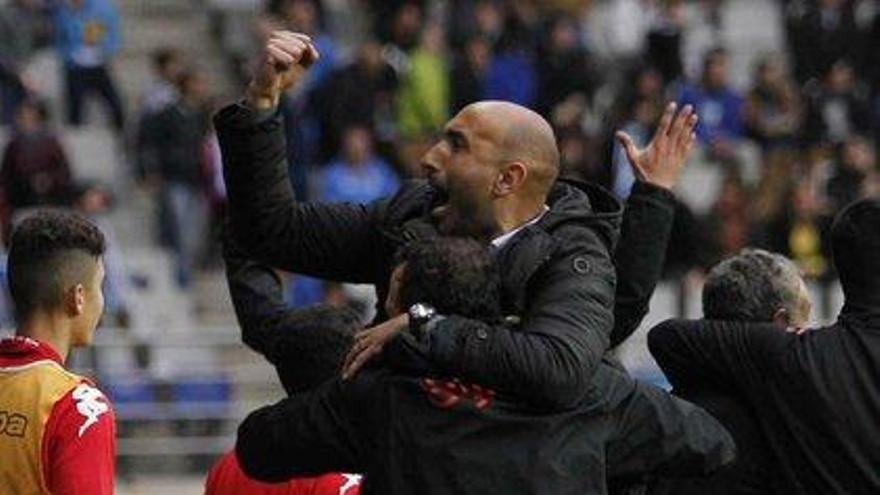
{"x": 752, "y": 286}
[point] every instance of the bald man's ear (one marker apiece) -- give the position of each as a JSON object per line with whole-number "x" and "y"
{"x": 511, "y": 178}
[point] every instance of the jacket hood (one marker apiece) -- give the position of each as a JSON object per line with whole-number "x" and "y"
{"x": 587, "y": 204}
{"x": 855, "y": 245}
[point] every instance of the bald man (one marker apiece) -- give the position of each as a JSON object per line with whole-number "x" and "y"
{"x": 493, "y": 176}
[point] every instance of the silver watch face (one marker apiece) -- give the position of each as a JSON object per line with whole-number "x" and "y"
{"x": 421, "y": 311}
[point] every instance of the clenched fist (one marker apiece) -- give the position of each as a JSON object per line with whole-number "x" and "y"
{"x": 283, "y": 61}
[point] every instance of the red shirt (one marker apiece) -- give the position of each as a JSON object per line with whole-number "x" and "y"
{"x": 59, "y": 433}
{"x": 227, "y": 478}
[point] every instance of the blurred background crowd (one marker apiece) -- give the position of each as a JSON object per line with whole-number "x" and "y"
{"x": 105, "y": 107}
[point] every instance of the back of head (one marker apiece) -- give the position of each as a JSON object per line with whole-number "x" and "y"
{"x": 855, "y": 244}
{"x": 49, "y": 253}
{"x": 454, "y": 275}
{"x": 753, "y": 286}
{"x": 314, "y": 345}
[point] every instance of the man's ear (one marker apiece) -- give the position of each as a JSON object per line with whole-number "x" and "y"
{"x": 510, "y": 179}
{"x": 75, "y": 300}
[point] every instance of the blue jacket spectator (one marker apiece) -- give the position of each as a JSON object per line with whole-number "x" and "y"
{"x": 719, "y": 107}
{"x": 360, "y": 176}
{"x": 512, "y": 77}
{"x": 87, "y": 31}
{"x": 87, "y": 35}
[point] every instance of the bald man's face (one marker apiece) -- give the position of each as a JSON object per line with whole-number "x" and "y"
{"x": 462, "y": 167}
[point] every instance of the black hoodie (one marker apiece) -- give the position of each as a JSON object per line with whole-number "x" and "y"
{"x": 816, "y": 396}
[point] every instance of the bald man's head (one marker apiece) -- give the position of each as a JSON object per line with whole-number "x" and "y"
{"x": 493, "y": 169}
{"x": 522, "y": 135}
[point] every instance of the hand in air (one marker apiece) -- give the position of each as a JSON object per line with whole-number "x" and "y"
{"x": 662, "y": 160}
{"x": 283, "y": 61}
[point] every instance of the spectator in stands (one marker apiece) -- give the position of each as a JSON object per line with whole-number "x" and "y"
{"x": 59, "y": 433}
{"x": 87, "y": 34}
{"x": 853, "y": 172}
{"x": 718, "y": 105}
{"x": 16, "y": 43}
{"x": 423, "y": 98}
{"x": 798, "y": 230}
{"x": 563, "y": 65}
{"x": 361, "y": 93}
{"x": 177, "y": 135}
{"x": 358, "y": 175}
{"x": 772, "y": 111}
{"x": 815, "y": 394}
{"x": 665, "y": 40}
{"x": 35, "y": 170}
{"x": 752, "y": 286}
{"x": 167, "y": 67}
{"x": 512, "y": 75}
{"x": 836, "y": 107}
{"x": 821, "y": 32}
{"x": 467, "y": 82}
{"x": 727, "y": 227}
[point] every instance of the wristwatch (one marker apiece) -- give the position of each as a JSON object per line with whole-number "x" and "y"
{"x": 420, "y": 314}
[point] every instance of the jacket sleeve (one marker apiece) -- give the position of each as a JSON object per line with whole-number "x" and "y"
{"x": 79, "y": 444}
{"x": 307, "y": 434}
{"x": 331, "y": 241}
{"x": 257, "y": 296}
{"x": 660, "y": 435}
{"x": 549, "y": 359}
{"x": 640, "y": 254}
{"x": 725, "y": 354}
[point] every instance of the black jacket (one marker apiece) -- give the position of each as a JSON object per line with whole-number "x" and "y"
{"x": 387, "y": 427}
{"x": 558, "y": 273}
{"x": 816, "y": 396}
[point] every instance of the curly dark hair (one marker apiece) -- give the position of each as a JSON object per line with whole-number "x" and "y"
{"x": 455, "y": 275}
{"x": 49, "y": 252}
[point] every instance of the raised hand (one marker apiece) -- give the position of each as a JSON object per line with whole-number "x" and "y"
{"x": 283, "y": 61}
{"x": 662, "y": 160}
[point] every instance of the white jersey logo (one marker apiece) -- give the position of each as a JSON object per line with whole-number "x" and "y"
{"x": 90, "y": 403}
{"x": 351, "y": 481}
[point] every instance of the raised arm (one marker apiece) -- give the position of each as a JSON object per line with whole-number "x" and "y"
{"x": 333, "y": 241}
{"x": 648, "y": 217}
{"x": 726, "y": 354}
{"x": 258, "y": 298}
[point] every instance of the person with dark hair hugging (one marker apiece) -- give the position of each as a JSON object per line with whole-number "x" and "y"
{"x": 439, "y": 434}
